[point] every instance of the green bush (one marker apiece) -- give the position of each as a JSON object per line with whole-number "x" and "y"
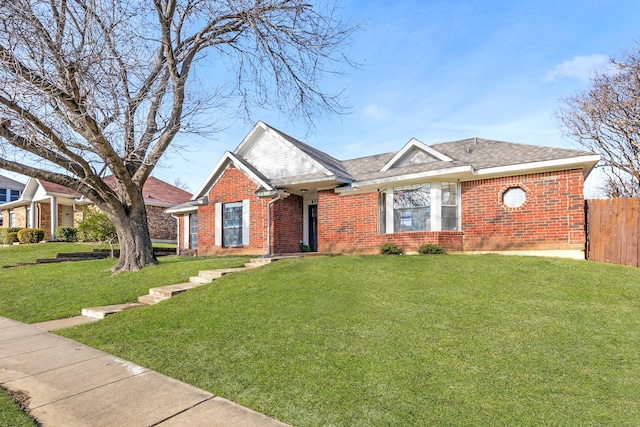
{"x": 390, "y": 249}
{"x": 30, "y": 235}
{"x": 9, "y": 235}
{"x": 431, "y": 249}
{"x": 96, "y": 227}
{"x": 66, "y": 234}
{"x": 11, "y": 238}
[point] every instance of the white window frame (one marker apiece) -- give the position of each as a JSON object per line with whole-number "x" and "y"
{"x": 436, "y": 206}
{"x": 245, "y": 223}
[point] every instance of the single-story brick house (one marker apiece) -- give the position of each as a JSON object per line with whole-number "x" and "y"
{"x": 274, "y": 193}
{"x": 34, "y": 207}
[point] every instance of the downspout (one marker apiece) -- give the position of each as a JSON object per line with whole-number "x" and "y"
{"x": 275, "y": 199}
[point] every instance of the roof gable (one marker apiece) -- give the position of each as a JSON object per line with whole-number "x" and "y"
{"x": 277, "y": 155}
{"x": 415, "y": 153}
{"x": 231, "y": 159}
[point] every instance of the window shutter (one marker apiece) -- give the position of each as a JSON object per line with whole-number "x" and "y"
{"x": 245, "y": 223}
{"x": 218, "y": 225}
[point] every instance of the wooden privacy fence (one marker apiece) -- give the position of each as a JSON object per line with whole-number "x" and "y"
{"x": 612, "y": 231}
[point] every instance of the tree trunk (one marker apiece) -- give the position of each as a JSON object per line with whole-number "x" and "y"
{"x": 136, "y": 250}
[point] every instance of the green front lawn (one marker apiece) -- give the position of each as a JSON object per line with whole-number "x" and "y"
{"x": 36, "y": 293}
{"x": 409, "y": 340}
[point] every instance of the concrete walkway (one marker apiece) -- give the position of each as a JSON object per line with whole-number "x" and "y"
{"x": 70, "y": 384}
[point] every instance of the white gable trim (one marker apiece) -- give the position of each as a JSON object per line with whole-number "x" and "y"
{"x": 227, "y": 159}
{"x": 259, "y": 130}
{"x": 414, "y": 143}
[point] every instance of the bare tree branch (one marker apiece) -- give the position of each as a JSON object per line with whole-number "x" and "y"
{"x": 100, "y": 87}
{"x": 606, "y": 119}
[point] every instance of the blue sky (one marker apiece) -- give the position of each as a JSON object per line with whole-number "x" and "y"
{"x": 445, "y": 70}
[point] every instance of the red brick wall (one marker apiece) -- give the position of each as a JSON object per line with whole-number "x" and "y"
{"x": 287, "y": 220}
{"x": 349, "y": 224}
{"x": 552, "y": 218}
{"x": 233, "y": 186}
{"x": 162, "y": 226}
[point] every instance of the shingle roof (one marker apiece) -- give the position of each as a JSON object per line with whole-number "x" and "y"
{"x": 52, "y": 188}
{"x": 331, "y": 163}
{"x": 158, "y": 191}
{"x": 478, "y": 153}
{"x": 11, "y": 184}
{"x": 486, "y": 153}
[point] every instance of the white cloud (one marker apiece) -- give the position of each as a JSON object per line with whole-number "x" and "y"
{"x": 580, "y": 67}
{"x": 375, "y": 112}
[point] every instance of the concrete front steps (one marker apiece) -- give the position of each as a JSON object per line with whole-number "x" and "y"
{"x": 162, "y": 293}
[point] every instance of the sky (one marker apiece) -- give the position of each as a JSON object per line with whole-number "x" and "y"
{"x": 446, "y": 70}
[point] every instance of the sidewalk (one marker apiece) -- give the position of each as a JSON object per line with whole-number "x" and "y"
{"x": 70, "y": 384}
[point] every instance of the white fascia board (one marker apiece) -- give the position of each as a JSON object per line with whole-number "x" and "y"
{"x": 15, "y": 204}
{"x": 183, "y": 210}
{"x": 587, "y": 163}
{"x": 245, "y": 145}
{"x": 457, "y": 173}
{"x": 417, "y": 144}
{"x": 226, "y": 159}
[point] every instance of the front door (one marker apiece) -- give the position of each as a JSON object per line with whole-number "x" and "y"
{"x": 313, "y": 227}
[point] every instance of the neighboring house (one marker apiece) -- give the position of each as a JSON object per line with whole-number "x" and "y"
{"x": 10, "y": 191}
{"x": 47, "y": 205}
{"x": 274, "y": 193}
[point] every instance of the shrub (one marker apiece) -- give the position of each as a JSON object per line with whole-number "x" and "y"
{"x": 305, "y": 248}
{"x": 96, "y": 226}
{"x": 66, "y": 234}
{"x": 390, "y": 249}
{"x": 10, "y": 238}
{"x": 431, "y": 249}
{"x": 30, "y": 235}
{"x": 9, "y": 235}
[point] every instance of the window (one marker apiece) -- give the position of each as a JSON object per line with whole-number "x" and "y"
{"x": 232, "y": 224}
{"x": 430, "y": 206}
{"x": 412, "y": 208}
{"x": 514, "y": 197}
{"x": 449, "y": 201}
{"x": 3, "y": 195}
{"x": 193, "y": 231}
{"x": 12, "y": 219}
{"x": 29, "y": 225}
{"x": 15, "y": 195}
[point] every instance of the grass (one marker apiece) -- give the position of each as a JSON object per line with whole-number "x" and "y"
{"x": 11, "y": 255}
{"x": 10, "y": 413}
{"x": 53, "y": 291}
{"x": 396, "y": 341}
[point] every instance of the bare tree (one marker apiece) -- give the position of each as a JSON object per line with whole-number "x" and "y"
{"x": 90, "y": 88}
{"x": 606, "y": 119}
